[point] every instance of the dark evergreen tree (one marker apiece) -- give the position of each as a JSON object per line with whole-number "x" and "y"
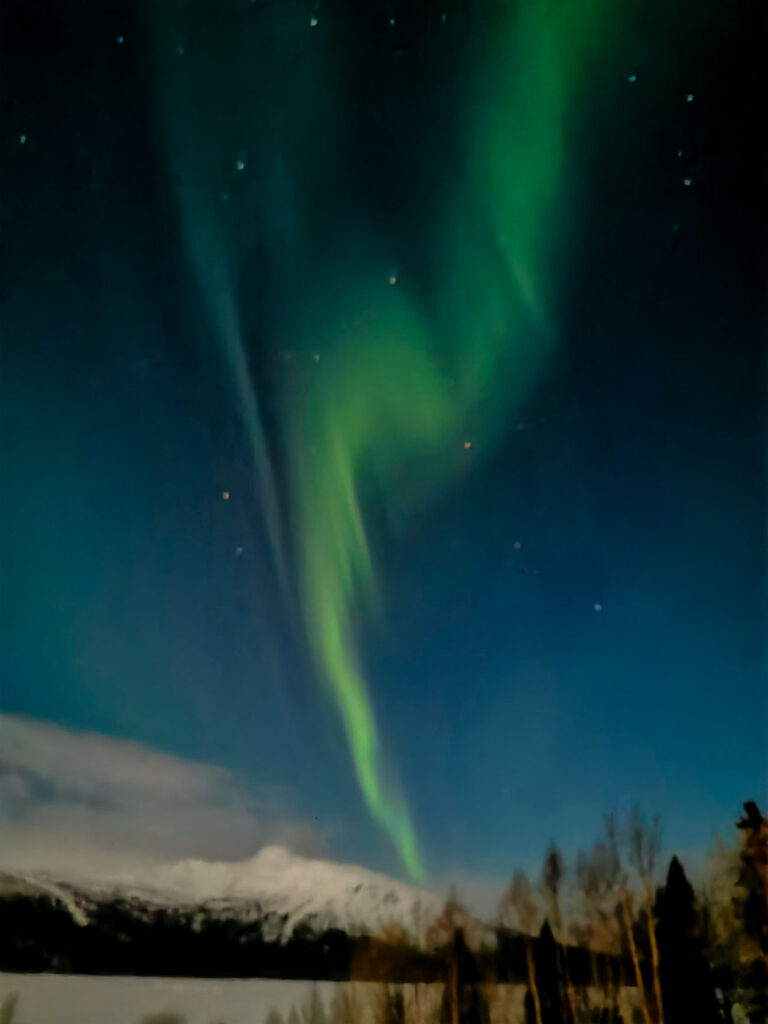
{"x": 687, "y": 980}
{"x": 548, "y": 955}
{"x": 753, "y": 876}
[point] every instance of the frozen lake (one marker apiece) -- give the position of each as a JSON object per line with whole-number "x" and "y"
{"x": 74, "y": 999}
{"x": 90, "y": 999}
{"x": 87, "y": 999}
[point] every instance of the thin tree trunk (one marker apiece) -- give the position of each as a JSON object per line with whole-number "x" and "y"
{"x": 532, "y": 979}
{"x": 569, "y": 991}
{"x": 635, "y": 959}
{"x": 594, "y": 978}
{"x": 453, "y": 981}
{"x": 564, "y": 980}
{"x": 654, "y": 959}
{"x": 571, "y": 998}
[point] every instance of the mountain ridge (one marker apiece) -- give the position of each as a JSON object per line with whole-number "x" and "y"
{"x": 283, "y": 889}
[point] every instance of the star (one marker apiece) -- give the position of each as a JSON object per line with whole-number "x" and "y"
{"x": 393, "y": 279}
{"x": 225, "y": 495}
{"x": 467, "y": 444}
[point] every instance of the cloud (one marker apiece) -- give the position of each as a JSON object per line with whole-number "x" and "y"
{"x": 92, "y": 803}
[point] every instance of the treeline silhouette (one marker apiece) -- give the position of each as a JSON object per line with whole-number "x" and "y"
{"x": 603, "y": 940}
{"x": 38, "y": 933}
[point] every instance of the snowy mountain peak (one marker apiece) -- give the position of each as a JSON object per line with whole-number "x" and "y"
{"x": 276, "y": 884}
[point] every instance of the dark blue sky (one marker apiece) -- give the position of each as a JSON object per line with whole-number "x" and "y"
{"x": 616, "y": 654}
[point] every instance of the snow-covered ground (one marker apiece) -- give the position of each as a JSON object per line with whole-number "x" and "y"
{"x": 86, "y": 999}
{"x": 73, "y": 999}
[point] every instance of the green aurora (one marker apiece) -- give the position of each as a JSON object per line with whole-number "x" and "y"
{"x": 397, "y": 394}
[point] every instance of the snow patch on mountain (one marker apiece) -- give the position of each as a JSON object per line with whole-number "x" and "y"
{"x": 276, "y": 885}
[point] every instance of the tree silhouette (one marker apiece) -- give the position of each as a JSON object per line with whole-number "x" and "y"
{"x": 518, "y": 908}
{"x": 598, "y": 876}
{"x": 463, "y": 1002}
{"x": 644, "y": 844}
{"x": 552, "y": 874}
{"x": 626, "y": 910}
{"x": 554, "y": 1008}
{"x": 752, "y": 908}
{"x": 686, "y": 977}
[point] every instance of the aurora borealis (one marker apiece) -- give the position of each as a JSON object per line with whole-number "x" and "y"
{"x": 423, "y": 290}
{"x": 403, "y": 381}
{"x": 400, "y": 379}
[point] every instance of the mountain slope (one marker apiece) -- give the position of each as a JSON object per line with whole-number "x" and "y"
{"x": 276, "y": 886}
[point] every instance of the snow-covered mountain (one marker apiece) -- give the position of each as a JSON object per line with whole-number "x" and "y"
{"x": 275, "y": 886}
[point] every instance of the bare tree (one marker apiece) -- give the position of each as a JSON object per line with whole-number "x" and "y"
{"x": 443, "y": 934}
{"x": 552, "y": 874}
{"x": 551, "y": 879}
{"x": 597, "y": 874}
{"x": 518, "y": 909}
{"x": 722, "y": 936}
{"x": 420, "y": 919}
{"x": 644, "y": 842}
{"x": 626, "y": 909}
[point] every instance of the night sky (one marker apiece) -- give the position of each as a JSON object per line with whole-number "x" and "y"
{"x": 382, "y": 407}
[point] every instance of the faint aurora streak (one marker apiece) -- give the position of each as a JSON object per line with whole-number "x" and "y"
{"x": 387, "y": 406}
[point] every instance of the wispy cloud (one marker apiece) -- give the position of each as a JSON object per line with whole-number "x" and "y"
{"x": 88, "y": 802}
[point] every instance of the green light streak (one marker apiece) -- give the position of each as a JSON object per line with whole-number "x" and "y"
{"x": 387, "y": 406}
{"x": 390, "y": 403}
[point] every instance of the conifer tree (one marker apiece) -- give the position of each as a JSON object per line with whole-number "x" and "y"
{"x": 686, "y": 977}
